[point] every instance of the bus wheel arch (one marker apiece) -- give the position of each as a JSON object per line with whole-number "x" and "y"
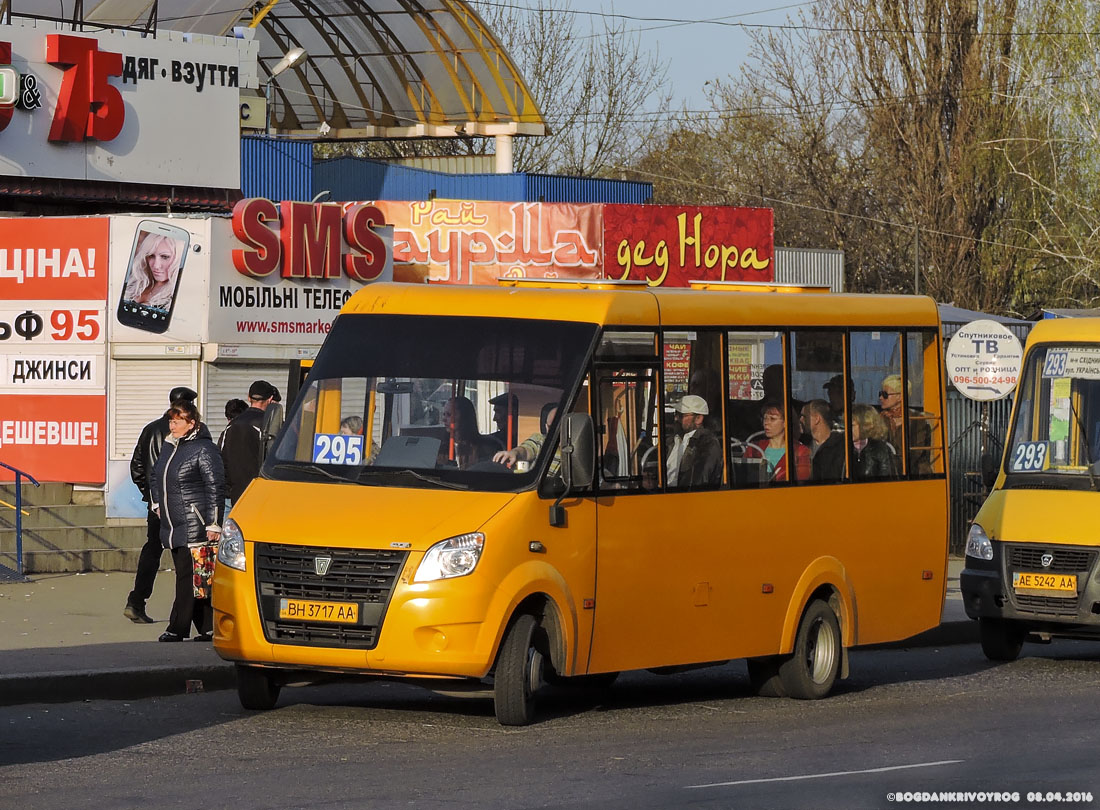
{"x": 823, "y": 579}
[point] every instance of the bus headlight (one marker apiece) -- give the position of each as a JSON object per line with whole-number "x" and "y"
{"x": 978, "y": 545}
{"x": 453, "y": 557}
{"x": 231, "y": 546}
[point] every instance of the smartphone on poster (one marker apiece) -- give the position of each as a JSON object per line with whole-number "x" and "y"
{"x": 153, "y": 276}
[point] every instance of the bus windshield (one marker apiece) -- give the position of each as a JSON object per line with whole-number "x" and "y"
{"x": 430, "y": 401}
{"x": 1057, "y": 427}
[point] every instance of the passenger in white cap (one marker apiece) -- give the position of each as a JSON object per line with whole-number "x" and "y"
{"x": 696, "y": 457}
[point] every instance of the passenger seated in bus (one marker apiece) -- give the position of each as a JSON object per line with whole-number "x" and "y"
{"x": 871, "y": 455}
{"x": 920, "y": 432}
{"x": 772, "y": 380}
{"x": 465, "y": 444}
{"x": 352, "y": 426}
{"x": 773, "y": 449}
{"x": 706, "y": 383}
{"x": 528, "y": 449}
{"x": 826, "y": 444}
{"x": 696, "y": 457}
{"x": 834, "y": 390}
{"x": 506, "y": 418}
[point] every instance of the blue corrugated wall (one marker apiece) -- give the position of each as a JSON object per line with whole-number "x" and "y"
{"x": 351, "y": 178}
{"x": 276, "y": 169}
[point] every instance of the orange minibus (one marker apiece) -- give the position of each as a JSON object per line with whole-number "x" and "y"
{"x": 557, "y": 481}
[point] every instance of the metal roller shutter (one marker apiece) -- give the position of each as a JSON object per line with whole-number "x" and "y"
{"x": 139, "y": 395}
{"x": 226, "y": 381}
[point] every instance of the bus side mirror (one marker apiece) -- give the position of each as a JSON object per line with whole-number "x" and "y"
{"x": 989, "y": 470}
{"x": 576, "y": 447}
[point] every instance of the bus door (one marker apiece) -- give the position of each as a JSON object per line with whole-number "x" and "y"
{"x": 641, "y": 612}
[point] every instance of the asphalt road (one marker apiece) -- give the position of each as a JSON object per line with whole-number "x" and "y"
{"x": 926, "y": 720}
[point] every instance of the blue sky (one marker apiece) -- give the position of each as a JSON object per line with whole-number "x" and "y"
{"x": 699, "y": 52}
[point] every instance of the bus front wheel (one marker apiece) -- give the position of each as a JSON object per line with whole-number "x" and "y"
{"x": 810, "y": 672}
{"x": 519, "y": 673}
{"x": 256, "y": 689}
{"x": 1001, "y": 640}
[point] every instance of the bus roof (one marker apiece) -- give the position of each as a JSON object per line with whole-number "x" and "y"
{"x": 607, "y": 305}
{"x": 1077, "y": 330}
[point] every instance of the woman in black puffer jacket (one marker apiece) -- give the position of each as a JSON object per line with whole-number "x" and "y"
{"x": 188, "y": 493}
{"x": 872, "y": 456}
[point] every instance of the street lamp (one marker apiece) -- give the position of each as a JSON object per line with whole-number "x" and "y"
{"x": 289, "y": 60}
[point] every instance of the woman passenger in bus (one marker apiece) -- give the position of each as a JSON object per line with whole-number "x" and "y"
{"x": 774, "y": 448}
{"x": 465, "y": 444}
{"x": 872, "y": 456}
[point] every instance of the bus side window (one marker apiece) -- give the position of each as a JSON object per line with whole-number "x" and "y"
{"x": 875, "y": 369}
{"x": 925, "y": 419}
{"x": 692, "y": 387}
{"x": 627, "y": 432}
{"x": 817, "y": 362}
{"x": 756, "y": 376}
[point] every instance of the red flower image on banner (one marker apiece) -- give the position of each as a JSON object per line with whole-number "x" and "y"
{"x": 671, "y": 245}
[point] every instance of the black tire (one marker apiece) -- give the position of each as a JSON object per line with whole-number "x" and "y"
{"x": 257, "y": 690}
{"x": 810, "y": 672}
{"x": 1001, "y": 639}
{"x": 764, "y": 676}
{"x": 518, "y": 673}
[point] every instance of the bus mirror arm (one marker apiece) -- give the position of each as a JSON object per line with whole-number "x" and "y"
{"x": 576, "y": 446}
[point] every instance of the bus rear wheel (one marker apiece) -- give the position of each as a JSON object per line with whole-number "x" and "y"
{"x": 256, "y": 689}
{"x": 810, "y": 672}
{"x": 519, "y": 673}
{"x": 1001, "y": 639}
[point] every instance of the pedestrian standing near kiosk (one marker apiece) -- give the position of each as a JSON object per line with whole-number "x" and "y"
{"x": 145, "y": 455}
{"x": 243, "y": 440}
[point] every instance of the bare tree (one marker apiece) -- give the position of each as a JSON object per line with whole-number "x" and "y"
{"x": 909, "y": 133}
{"x": 591, "y": 82}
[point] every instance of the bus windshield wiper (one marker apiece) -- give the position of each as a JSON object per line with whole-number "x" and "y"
{"x": 431, "y": 479}
{"x": 1085, "y": 440}
{"x": 317, "y": 468}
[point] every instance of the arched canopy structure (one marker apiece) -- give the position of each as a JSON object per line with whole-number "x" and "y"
{"x": 373, "y": 68}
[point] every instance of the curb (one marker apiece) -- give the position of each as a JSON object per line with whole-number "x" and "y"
{"x": 165, "y": 681}
{"x": 114, "y": 684}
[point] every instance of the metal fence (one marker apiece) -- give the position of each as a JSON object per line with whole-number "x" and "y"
{"x": 964, "y": 450}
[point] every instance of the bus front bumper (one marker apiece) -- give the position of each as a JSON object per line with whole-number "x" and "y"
{"x": 987, "y": 596}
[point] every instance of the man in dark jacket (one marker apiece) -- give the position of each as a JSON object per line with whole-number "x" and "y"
{"x": 243, "y": 441}
{"x": 696, "y": 457}
{"x": 146, "y": 452}
{"x": 826, "y": 444}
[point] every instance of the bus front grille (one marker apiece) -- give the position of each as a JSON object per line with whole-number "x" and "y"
{"x": 1064, "y": 560}
{"x": 362, "y": 576}
{"x": 1048, "y": 605}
